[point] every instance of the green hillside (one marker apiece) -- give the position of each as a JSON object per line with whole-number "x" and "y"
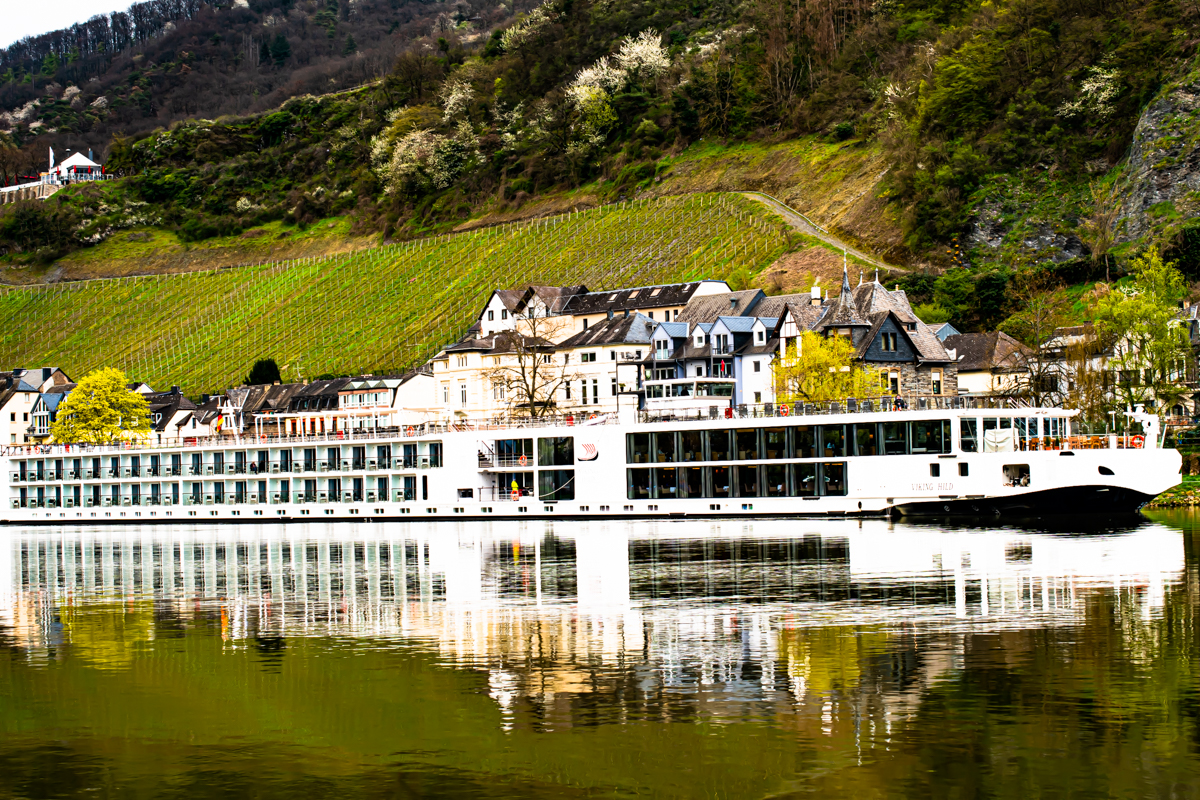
{"x": 379, "y": 310}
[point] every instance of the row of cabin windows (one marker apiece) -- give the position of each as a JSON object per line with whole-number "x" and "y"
{"x": 311, "y": 458}
{"x": 816, "y": 479}
{"x": 799, "y": 441}
{"x": 994, "y": 432}
{"x": 220, "y": 491}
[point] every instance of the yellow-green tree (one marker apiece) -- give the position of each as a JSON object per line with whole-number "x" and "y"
{"x": 101, "y": 409}
{"x": 821, "y": 369}
{"x": 1151, "y": 350}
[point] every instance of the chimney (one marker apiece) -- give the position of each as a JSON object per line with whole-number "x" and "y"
{"x": 627, "y": 313}
{"x": 815, "y": 295}
{"x": 174, "y": 390}
{"x": 732, "y": 304}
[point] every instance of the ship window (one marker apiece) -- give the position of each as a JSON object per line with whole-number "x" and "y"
{"x": 964, "y": 469}
{"x": 833, "y": 440}
{"x": 664, "y": 447}
{"x": 969, "y": 433}
{"x": 638, "y": 484}
{"x": 638, "y": 445}
{"x": 718, "y": 445}
{"x": 691, "y": 481}
{"x": 747, "y": 480}
{"x": 558, "y": 451}
{"x": 776, "y": 480}
{"x": 935, "y": 470}
{"x": 866, "y": 439}
{"x": 805, "y": 440}
{"x": 931, "y": 436}
{"x": 747, "y": 444}
{"x": 720, "y": 481}
{"x": 556, "y": 484}
{"x": 1105, "y": 471}
{"x": 895, "y": 438}
{"x": 833, "y": 479}
{"x": 805, "y": 480}
{"x": 691, "y": 446}
{"x": 775, "y": 443}
{"x": 665, "y": 483}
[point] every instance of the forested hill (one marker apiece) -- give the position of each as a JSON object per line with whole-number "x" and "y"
{"x": 160, "y": 61}
{"x": 991, "y": 135}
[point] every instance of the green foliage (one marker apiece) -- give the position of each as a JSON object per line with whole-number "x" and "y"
{"x": 379, "y": 310}
{"x": 101, "y": 409}
{"x": 1150, "y": 348}
{"x": 265, "y": 370}
{"x": 281, "y": 49}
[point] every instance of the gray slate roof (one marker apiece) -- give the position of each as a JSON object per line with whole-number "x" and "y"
{"x": 634, "y": 329}
{"x": 710, "y": 306}
{"x": 986, "y": 351}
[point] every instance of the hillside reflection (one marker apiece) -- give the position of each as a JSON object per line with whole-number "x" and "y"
{"x": 830, "y": 629}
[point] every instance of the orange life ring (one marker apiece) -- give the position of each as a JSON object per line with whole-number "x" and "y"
{"x": 516, "y": 495}
{"x": 1138, "y": 441}
{"x": 410, "y": 431}
{"x": 571, "y": 419}
{"x": 523, "y": 460}
{"x": 593, "y": 416}
{"x": 783, "y": 410}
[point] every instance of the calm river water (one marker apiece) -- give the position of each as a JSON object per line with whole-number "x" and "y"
{"x": 683, "y": 659}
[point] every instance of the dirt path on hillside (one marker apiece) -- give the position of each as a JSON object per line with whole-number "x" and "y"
{"x": 806, "y": 226}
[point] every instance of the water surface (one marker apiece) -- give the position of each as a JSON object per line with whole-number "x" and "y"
{"x": 682, "y": 659}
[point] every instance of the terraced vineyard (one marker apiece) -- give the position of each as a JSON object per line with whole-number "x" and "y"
{"x": 380, "y": 310}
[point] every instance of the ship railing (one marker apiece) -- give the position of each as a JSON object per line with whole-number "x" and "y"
{"x": 853, "y": 405}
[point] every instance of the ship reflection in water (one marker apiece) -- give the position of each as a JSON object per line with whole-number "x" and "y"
{"x": 733, "y": 659}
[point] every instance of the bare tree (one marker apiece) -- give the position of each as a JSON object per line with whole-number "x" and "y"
{"x": 528, "y": 369}
{"x": 1088, "y": 388}
{"x": 1096, "y": 229}
{"x": 1042, "y": 308}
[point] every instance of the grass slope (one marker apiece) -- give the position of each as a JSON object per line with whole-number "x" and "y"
{"x": 376, "y": 310}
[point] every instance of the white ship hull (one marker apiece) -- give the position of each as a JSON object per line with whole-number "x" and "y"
{"x": 739, "y": 467}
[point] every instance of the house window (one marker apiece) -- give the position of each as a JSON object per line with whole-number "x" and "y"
{"x": 935, "y": 382}
{"x": 613, "y": 355}
{"x": 583, "y": 391}
{"x": 889, "y": 342}
{"x": 462, "y": 388}
{"x": 566, "y": 358}
{"x": 758, "y": 397}
{"x": 546, "y": 358}
{"x": 614, "y": 387}
{"x": 587, "y": 358}
{"x": 758, "y": 366}
{"x": 651, "y": 315}
{"x": 595, "y": 391}
{"x": 894, "y": 382}
{"x": 760, "y": 336}
{"x": 445, "y": 394}
{"x": 503, "y": 313}
{"x": 567, "y": 390}
{"x": 491, "y": 316}
{"x": 13, "y": 417}
{"x": 585, "y": 323}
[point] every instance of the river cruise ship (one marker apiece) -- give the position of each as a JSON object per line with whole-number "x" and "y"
{"x": 925, "y": 457}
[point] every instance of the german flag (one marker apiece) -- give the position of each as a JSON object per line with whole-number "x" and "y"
{"x": 219, "y": 424}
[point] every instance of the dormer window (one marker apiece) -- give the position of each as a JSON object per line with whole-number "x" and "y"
{"x": 761, "y": 335}
{"x": 655, "y": 292}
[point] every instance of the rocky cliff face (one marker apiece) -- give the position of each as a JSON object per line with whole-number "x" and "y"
{"x": 1163, "y": 173}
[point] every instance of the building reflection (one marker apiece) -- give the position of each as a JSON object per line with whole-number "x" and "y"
{"x": 832, "y": 627}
